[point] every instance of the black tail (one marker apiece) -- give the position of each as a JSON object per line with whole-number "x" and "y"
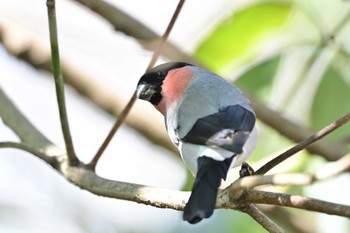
{"x": 204, "y": 191}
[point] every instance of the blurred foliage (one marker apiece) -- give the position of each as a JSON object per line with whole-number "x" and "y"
{"x": 259, "y": 79}
{"x": 285, "y": 53}
{"x": 240, "y": 35}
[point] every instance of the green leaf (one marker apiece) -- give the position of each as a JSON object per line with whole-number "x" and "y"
{"x": 240, "y": 35}
{"x": 332, "y": 100}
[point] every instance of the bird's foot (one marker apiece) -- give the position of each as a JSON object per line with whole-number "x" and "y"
{"x": 246, "y": 170}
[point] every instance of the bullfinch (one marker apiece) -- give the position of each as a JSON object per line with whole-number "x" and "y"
{"x": 209, "y": 120}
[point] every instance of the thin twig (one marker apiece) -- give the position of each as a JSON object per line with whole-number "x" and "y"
{"x": 56, "y": 66}
{"x": 276, "y": 179}
{"x": 132, "y": 100}
{"x": 23, "y": 146}
{"x": 130, "y": 26}
{"x": 261, "y": 218}
{"x": 166, "y": 35}
{"x": 332, "y": 169}
{"x": 303, "y": 144}
{"x": 120, "y": 120}
{"x": 288, "y": 219}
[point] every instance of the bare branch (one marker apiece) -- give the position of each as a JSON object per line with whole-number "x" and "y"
{"x": 166, "y": 34}
{"x": 303, "y": 144}
{"x": 56, "y": 67}
{"x": 296, "y": 201}
{"x": 120, "y": 120}
{"x": 16, "y": 121}
{"x": 332, "y": 169}
{"x": 164, "y": 198}
{"x": 157, "y": 197}
{"x": 132, "y": 100}
{"x": 276, "y": 179}
{"x": 290, "y": 220}
{"x": 261, "y": 218}
{"x": 25, "y": 147}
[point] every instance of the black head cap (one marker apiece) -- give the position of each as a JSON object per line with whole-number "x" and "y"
{"x": 150, "y": 85}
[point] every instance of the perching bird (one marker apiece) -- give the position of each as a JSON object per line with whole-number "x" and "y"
{"x": 208, "y": 119}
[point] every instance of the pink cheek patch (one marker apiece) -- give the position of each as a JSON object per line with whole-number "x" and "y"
{"x": 176, "y": 83}
{"x": 174, "y": 86}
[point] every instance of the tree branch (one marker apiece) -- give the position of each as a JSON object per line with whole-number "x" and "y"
{"x": 56, "y": 67}
{"x": 16, "y": 121}
{"x": 332, "y": 169}
{"x": 290, "y": 220}
{"x": 165, "y": 36}
{"x": 296, "y": 201}
{"x": 261, "y": 218}
{"x": 25, "y": 147}
{"x": 276, "y": 179}
{"x": 157, "y": 197}
{"x": 303, "y": 144}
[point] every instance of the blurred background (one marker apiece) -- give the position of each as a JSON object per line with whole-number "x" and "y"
{"x": 294, "y": 56}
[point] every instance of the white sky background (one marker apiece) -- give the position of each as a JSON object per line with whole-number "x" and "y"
{"x": 34, "y": 198}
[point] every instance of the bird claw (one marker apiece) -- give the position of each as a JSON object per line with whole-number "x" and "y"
{"x": 246, "y": 170}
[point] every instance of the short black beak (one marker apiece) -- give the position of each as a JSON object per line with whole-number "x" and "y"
{"x": 144, "y": 91}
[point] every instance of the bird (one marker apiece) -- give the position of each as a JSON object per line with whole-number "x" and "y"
{"x": 209, "y": 120}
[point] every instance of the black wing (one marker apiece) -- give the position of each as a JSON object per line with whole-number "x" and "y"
{"x": 227, "y": 129}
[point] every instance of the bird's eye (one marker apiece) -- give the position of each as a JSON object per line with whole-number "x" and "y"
{"x": 161, "y": 74}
